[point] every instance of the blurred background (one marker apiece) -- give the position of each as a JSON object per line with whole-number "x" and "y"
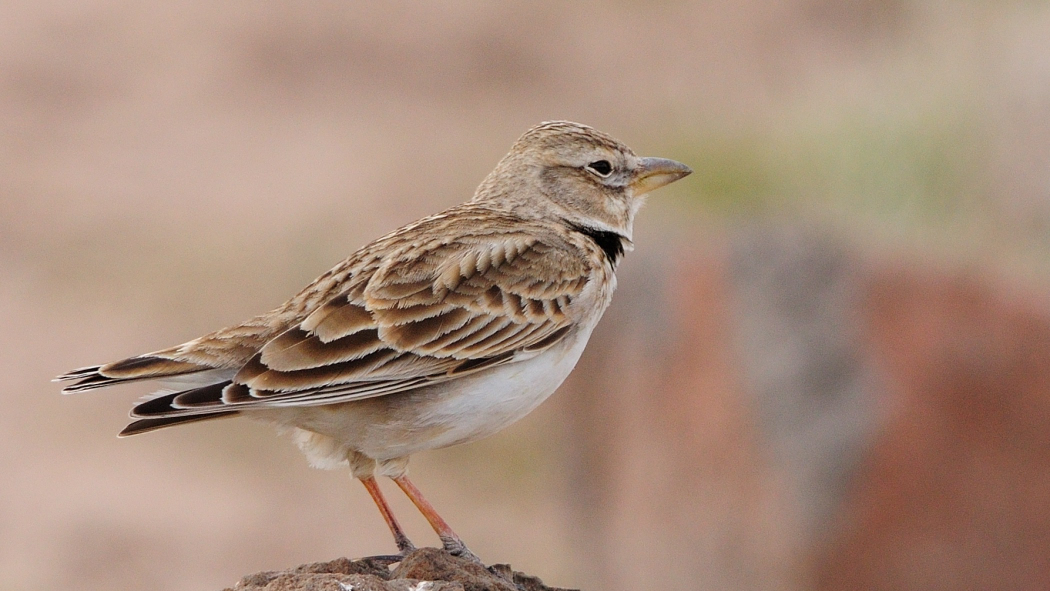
{"x": 828, "y": 365}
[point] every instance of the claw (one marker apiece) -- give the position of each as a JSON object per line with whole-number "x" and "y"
{"x": 385, "y": 559}
{"x": 404, "y": 544}
{"x": 456, "y": 547}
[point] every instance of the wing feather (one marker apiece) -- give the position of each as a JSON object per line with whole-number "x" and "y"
{"x": 336, "y": 319}
{"x": 425, "y": 314}
{"x": 298, "y": 349}
{"x": 442, "y": 298}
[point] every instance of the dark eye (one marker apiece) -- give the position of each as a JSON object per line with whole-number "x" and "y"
{"x": 602, "y": 167}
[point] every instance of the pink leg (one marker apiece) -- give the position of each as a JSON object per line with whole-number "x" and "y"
{"x": 404, "y": 545}
{"x": 449, "y": 539}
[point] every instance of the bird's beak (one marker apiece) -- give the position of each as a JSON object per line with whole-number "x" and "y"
{"x": 657, "y": 172}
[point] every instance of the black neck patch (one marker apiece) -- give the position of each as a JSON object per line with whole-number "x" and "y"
{"x": 611, "y": 243}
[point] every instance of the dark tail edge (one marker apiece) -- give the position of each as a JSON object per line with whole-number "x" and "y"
{"x": 147, "y": 425}
{"x": 132, "y": 369}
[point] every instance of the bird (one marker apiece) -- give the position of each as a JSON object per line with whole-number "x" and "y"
{"x": 442, "y": 332}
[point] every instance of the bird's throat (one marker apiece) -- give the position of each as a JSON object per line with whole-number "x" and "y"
{"x": 611, "y": 243}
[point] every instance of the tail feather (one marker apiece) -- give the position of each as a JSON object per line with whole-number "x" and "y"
{"x": 149, "y": 366}
{"x": 147, "y": 425}
{"x": 133, "y": 369}
{"x": 76, "y": 374}
{"x": 162, "y": 411}
{"x": 167, "y": 405}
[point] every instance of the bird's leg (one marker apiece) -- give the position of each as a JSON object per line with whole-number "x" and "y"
{"x": 363, "y": 468}
{"x": 451, "y": 542}
{"x": 404, "y": 545}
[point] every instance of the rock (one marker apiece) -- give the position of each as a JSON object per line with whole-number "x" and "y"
{"x": 425, "y": 569}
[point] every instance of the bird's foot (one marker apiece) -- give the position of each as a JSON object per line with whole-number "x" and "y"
{"x": 384, "y": 559}
{"x": 456, "y": 547}
{"x": 403, "y": 544}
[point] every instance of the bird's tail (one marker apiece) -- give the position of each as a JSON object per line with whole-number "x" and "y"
{"x": 132, "y": 369}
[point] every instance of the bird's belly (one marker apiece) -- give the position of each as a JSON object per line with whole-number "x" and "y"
{"x": 445, "y": 414}
{"x": 485, "y": 404}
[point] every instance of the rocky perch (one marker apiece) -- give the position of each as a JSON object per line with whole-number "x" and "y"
{"x": 425, "y": 569}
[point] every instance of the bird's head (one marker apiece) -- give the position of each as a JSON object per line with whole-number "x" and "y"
{"x": 577, "y": 173}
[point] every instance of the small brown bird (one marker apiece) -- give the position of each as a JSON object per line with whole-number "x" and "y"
{"x": 441, "y": 332}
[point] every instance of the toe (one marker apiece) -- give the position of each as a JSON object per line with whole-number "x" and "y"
{"x": 456, "y": 547}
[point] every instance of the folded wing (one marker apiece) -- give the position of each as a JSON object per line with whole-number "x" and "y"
{"x": 415, "y": 313}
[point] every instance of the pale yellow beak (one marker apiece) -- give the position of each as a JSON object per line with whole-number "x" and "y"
{"x": 657, "y": 172}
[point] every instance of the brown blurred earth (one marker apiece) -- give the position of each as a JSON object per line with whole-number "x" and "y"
{"x": 864, "y": 424}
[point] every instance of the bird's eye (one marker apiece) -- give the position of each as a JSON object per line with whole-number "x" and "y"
{"x": 600, "y": 167}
